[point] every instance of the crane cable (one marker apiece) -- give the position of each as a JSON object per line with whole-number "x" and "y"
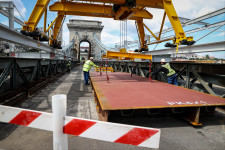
{"x": 101, "y": 67}
{"x": 132, "y": 68}
{"x": 123, "y": 34}
{"x": 150, "y": 66}
{"x": 107, "y": 77}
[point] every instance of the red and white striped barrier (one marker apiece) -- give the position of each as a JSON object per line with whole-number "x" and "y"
{"x": 111, "y": 132}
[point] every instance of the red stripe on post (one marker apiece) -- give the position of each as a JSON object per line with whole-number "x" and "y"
{"x": 24, "y": 118}
{"x": 77, "y": 126}
{"x": 136, "y": 136}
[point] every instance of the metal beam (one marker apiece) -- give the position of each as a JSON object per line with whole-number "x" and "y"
{"x": 5, "y": 73}
{"x": 193, "y": 21}
{"x": 17, "y": 38}
{"x": 6, "y": 4}
{"x": 204, "y": 17}
{"x": 198, "y": 19}
{"x": 208, "y": 47}
{"x": 182, "y": 19}
{"x": 214, "y": 79}
{"x": 203, "y": 82}
{"x": 15, "y": 18}
{"x": 191, "y": 31}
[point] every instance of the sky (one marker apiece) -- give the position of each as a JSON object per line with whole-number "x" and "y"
{"x": 111, "y": 32}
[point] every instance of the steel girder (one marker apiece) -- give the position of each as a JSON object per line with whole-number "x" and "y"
{"x": 221, "y": 23}
{"x": 196, "y": 20}
{"x": 17, "y": 38}
{"x": 208, "y": 47}
{"x": 5, "y": 13}
{"x": 16, "y": 73}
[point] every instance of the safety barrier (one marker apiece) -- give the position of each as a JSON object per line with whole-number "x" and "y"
{"x": 61, "y": 125}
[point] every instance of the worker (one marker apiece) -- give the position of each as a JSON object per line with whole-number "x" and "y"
{"x": 86, "y": 68}
{"x": 69, "y": 65}
{"x": 169, "y": 71}
{"x": 82, "y": 60}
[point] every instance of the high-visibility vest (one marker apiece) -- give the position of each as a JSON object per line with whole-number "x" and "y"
{"x": 87, "y": 65}
{"x": 171, "y": 71}
{"x": 69, "y": 63}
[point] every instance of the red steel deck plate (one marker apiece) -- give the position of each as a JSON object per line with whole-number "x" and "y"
{"x": 126, "y": 92}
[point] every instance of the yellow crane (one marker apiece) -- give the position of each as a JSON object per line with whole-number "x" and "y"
{"x": 115, "y": 9}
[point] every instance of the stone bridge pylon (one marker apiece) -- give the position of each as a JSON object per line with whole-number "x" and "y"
{"x": 84, "y": 30}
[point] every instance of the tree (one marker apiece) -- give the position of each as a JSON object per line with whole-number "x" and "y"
{"x": 207, "y": 56}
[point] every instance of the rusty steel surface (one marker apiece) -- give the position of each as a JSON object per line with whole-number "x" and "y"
{"x": 126, "y": 92}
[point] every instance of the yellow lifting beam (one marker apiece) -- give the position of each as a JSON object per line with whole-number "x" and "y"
{"x": 128, "y": 55}
{"x": 103, "y": 69}
{"x": 85, "y": 9}
{"x": 36, "y": 15}
{"x": 110, "y": 57}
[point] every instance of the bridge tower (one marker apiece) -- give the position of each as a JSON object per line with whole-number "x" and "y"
{"x": 85, "y": 30}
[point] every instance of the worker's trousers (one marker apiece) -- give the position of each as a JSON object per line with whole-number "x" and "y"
{"x": 173, "y": 79}
{"x": 86, "y": 77}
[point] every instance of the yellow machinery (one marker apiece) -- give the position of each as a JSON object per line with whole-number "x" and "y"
{"x": 103, "y": 69}
{"x": 126, "y": 56}
{"x": 115, "y": 9}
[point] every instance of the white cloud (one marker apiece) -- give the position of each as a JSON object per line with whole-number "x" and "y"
{"x": 195, "y": 8}
{"x": 19, "y": 5}
{"x": 220, "y": 34}
{"x": 6, "y": 23}
{"x": 65, "y": 34}
{"x": 155, "y": 24}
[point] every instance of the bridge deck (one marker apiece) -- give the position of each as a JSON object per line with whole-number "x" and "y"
{"x": 134, "y": 94}
{"x": 126, "y": 92}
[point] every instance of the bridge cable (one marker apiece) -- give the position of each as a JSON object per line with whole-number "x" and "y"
{"x": 19, "y": 12}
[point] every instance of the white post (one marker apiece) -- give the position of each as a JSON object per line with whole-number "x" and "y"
{"x": 60, "y": 141}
